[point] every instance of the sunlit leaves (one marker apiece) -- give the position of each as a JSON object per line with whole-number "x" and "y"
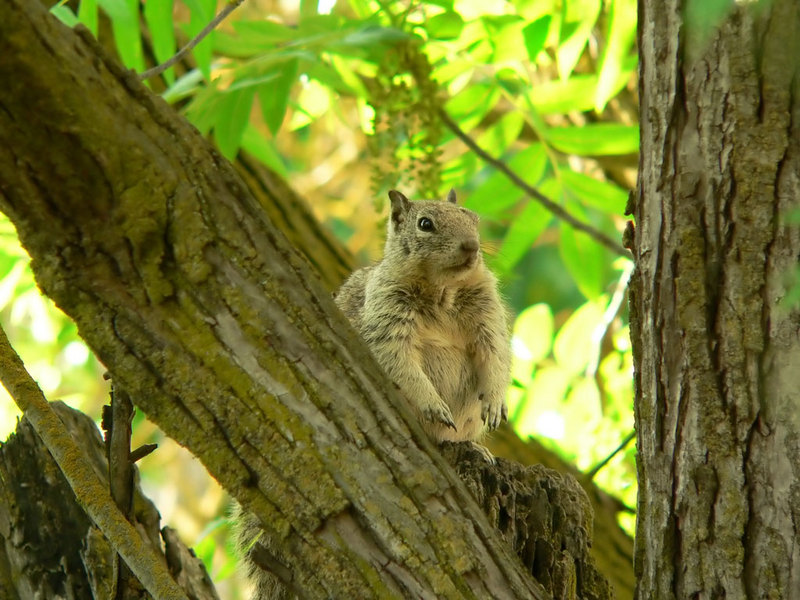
{"x": 578, "y": 18}
{"x": 533, "y": 335}
{"x": 601, "y": 139}
{"x": 619, "y": 39}
{"x": 274, "y": 96}
{"x": 232, "y": 117}
{"x": 127, "y": 35}
{"x": 158, "y": 16}
{"x": 607, "y": 197}
{"x": 506, "y": 37}
{"x": 497, "y": 194}
{"x": 445, "y": 26}
{"x": 201, "y": 12}
{"x": 535, "y": 35}
{"x": 471, "y": 106}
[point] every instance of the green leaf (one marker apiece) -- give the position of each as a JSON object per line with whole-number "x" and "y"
{"x": 498, "y": 193}
{"x": 263, "y": 149}
{"x": 583, "y": 404}
{"x": 577, "y": 93}
{"x": 87, "y": 14}
{"x": 371, "y": 36}
{"x": 448, "y": 70}
{"x": 545, "y": 394}
{"x": 124, "y": 15}
{"x": 600, "y": 139}
{"x": 505, "y": 36}
{"x": 470, "y": 106}
{"x": 533, "y": 333}
{"x": 524, "y": 231}
{"x": 308, "y": 8}
{"x": 329, "y": 77}
{"x": 445, "y": 26}
{"x": 203, "y": 110}
{"x": 183, "y": 87}
{"x": 158, "y": 15}
{"x": 253, "y": 37}
{"x": 201, "y": 12}
{"x": 579, "y": 19}
{"x": 608, "y": 197}
{"x": 535, "y": 35}
{"x": 559, "y": 96}
{"x": 584, "y": 259}
{"x": 500, "y": 135}
{"x": 574, "y": 345}
{"x": 619, "y": 39}
{"x": 234, "y": 113}
{"x": 274, "y": 97}
{"x": 64, "y": 14}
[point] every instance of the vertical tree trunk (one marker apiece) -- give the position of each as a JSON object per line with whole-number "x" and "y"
{"x": 717, "y": 354}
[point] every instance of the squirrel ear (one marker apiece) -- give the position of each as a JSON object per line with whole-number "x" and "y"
{"x": 400, "y": 206}
{"x": 451, "y": 196}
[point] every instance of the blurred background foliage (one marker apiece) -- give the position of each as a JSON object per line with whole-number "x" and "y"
{"x": 345, "y": 98}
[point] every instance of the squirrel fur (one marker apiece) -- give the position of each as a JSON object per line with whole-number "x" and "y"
{"x": 432, "y": 316}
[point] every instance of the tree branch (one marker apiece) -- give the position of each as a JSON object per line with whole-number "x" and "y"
{"x": 557, "y": 210}
{"x": 92, "y": 495}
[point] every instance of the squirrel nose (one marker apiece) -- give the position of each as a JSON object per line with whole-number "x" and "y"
{"x": 469, "y": 246}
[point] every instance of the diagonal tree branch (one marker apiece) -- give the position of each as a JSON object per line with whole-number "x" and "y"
{"x": 557, "y": 210}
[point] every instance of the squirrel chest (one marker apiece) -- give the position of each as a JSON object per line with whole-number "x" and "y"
{"x": 444, "y": 345}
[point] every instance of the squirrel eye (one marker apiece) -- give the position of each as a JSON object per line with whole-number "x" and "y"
{"x": 425, "y": 224}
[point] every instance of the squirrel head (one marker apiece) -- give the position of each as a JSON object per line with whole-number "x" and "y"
{"x": 438, "y": 240}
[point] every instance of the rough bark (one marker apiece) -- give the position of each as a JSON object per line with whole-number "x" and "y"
{"x": 717, "y": 356}
{"x": 48, "y": 546}
{"x": 611, "y": 548}
{"x": 205, "y": 314}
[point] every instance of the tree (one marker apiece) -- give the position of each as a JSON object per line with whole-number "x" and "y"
{"x": 716, "y": 349}
{"x": 203, "y": 312}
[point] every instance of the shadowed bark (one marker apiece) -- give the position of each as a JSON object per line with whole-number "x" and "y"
{"x": 48, "y": 546}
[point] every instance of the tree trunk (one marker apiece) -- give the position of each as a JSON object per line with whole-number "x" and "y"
{"x": 217, "y": 328}
{"x": 716, "y": 353}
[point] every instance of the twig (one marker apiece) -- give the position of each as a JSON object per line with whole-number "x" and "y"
{"x": 607, "y": 459}
{"x": 221, "y": 15}
{"x": 90, "y": 492}
{"x": 554, "y": 208}
{"x": 117, "y": 424}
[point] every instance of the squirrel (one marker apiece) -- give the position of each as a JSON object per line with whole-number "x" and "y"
{"x": 432, "y": 316}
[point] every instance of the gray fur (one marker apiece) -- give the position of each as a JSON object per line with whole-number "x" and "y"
{"x": 431, "y": 314}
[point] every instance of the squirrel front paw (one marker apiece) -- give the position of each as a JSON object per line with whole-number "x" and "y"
{"x": 438, "y": 413}
{"x": 493, "y": 411}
